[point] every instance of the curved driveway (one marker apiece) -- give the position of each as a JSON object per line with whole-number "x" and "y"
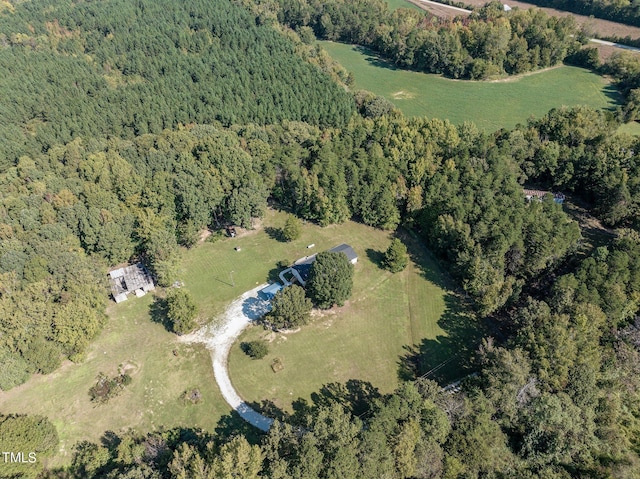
{"x": 220, "y": 337}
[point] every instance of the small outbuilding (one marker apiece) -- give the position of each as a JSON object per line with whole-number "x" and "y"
{"x": 130, "y": 279}
{"x": 346, "y": 249}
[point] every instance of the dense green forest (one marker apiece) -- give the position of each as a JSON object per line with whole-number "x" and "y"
{"x": 126, "y": 68}
{"x": 557, "y": 390}
{"x": 490, "y": 42}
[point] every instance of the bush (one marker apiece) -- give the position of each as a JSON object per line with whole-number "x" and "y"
{"x": 256, "y": 349}
{"x": 181, "y": 311}
{"x": 396, "y": 258}
{"x": 191, "y": 396}
{"x": 292, "y": 229}
{"x": 107, "y": 388}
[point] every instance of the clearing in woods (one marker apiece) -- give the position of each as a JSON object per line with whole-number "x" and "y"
{"x": 490, "y": 105}
{"x": 387, "y": 316}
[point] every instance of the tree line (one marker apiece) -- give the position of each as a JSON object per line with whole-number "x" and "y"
{"x": 490, "y": 42}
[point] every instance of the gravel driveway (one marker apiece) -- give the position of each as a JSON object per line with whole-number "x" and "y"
{"x": 220, "y": 337}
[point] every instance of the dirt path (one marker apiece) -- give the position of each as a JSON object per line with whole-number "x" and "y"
{"x": 218, "y": 339}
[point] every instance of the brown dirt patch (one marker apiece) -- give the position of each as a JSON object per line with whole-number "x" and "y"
{"x": 204, "y": 234}
{"x": 441, "y": 11}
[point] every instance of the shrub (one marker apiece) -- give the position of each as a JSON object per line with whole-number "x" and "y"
{"x": 396, "y": 258}
{"x": 292, "y": 229}
{"x": 191, "y": 396}
{"x": 107, "y": 388}
{"x": 256, "y": 349}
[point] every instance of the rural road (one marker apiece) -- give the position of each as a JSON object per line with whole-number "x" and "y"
{"x": 218, "y": 339}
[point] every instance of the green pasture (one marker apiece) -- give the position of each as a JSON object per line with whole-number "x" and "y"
{"x": 151, "y": 401}
{"x": 387, "y": 316}
{"x": 632, "y": 128}
{"x": 395, "y": 4}
{"x": 491, "y": 105}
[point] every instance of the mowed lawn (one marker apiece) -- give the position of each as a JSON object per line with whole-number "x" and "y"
{"x": 366, "y": 338}
{"x": 491, "y": 105}
{"x": 152, "y": 400}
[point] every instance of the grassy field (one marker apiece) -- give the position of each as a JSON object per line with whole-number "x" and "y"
{"x": 394, "y": 4}
{"x": 365, "y": 339}
{"x": 490, "y": 105}
{"x": 151, "y": 400}
{"x": 632, "y": 128}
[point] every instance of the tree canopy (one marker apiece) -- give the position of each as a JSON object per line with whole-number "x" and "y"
{"x": 330, "y": 279}
{"x": 290, "y": 308}
{"x": 396, "y": 257}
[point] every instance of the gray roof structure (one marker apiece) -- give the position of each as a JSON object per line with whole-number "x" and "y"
{"x": 130, "y": 279}
{"x": 346, "y": 249}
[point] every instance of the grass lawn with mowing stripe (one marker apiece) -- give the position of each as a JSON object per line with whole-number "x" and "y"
{"x": 491, "y": 105}
{"x": 366, "y": 338}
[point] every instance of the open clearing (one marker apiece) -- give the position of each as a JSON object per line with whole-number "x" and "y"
{"x": 152, "y": 400}
{"x": 490, "y": 105}
{"x": 365, "y": 339}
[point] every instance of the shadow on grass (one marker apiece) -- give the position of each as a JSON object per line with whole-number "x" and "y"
{"x": 614, "y": 95}
{"x": 375, "y": 59}
{"x": 158, "y": 312}
{"x": 274, "y": 233}
{"x": 272, "y": 276}
{"x": 232, "y": 424}
{"x": 355, "y": 395}
{"x": 376, "y": 257}
{"x": 447, "y": 357}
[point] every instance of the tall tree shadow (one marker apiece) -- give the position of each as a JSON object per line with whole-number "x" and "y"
{"x": 158, "y": 310}
{"x": 376, "y": 257}
{"x": 447, "y": 357}
{"x": 274, "y": 233}
{"x": 232, "y": 424}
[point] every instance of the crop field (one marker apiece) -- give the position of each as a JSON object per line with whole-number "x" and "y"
{"x": 387, "y": 316}
{"x": 491, "y": 105}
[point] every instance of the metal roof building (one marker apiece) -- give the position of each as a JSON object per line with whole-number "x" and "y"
{"x": 130, "y": 279}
